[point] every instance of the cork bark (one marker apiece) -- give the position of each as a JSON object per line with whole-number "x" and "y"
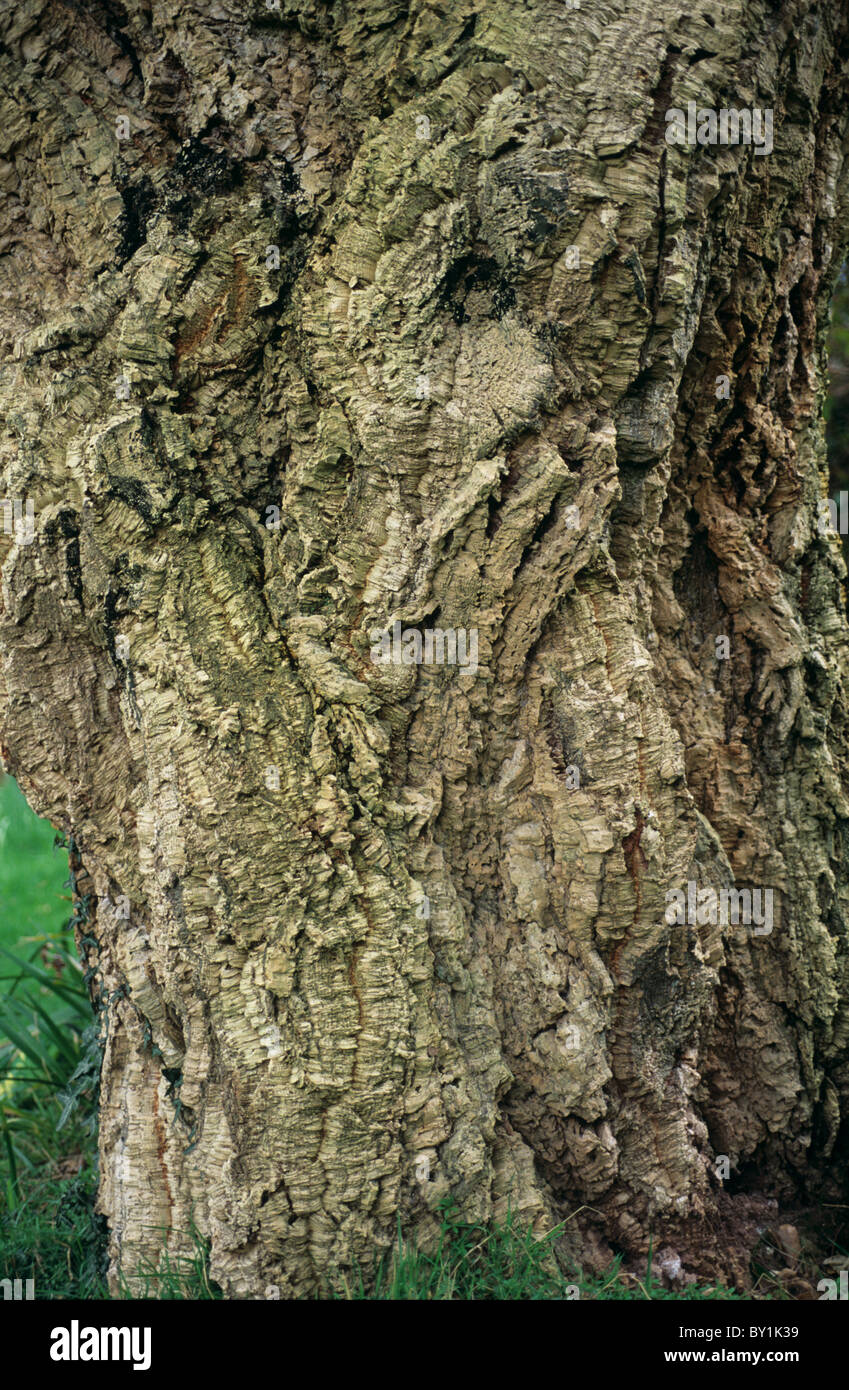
{"x": 319, "y": 318}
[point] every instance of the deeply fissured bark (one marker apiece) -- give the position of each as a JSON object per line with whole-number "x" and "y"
{"x": 435, "y": 293}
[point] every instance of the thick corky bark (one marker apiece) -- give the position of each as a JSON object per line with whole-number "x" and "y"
{"x": 437, "y": 287}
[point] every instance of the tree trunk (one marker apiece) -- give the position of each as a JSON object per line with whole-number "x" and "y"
{"x": 323, "y": 319}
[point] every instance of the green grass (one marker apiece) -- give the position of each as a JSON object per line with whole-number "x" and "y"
{"x": 470, "y": 1261}
{"x": 48, "y": 1175}
{"x": 33, "y": 899}
{"x": 175, "y": 1276}
{"x": 499, "y": 1262}
{"x": 614, "y": 1285}
{"x": 53, "y": 1235}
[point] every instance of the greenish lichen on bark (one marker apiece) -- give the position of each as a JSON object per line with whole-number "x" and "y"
{"x": 369, "y": 317}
